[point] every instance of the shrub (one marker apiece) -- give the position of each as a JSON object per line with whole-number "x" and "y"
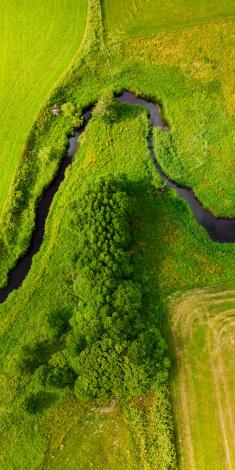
{"x": 59, "y": 321}
{"x": 44, "y": 154}
{"x": 106, "y": 107}
{"x": 59, "y": 373}
{"x": 38, "y": 401}
{"x": 68, "y": 109}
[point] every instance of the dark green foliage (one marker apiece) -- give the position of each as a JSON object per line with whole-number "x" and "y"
{"x": 35, "y": 355}
{"x": 59, "y": 322}
{"x": 45, "y": 360}
{"x": 110, "y": 348}
{"x": 60, "y": 373}
{"x": 57, "y": 372}
{"x": 37, "y": 402}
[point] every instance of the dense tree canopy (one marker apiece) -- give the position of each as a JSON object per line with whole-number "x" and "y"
{"x": 105, "y": 347}
{"x": 110, "y": 348}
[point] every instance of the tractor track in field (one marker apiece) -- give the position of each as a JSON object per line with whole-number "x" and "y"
{"x": 188, "y": 312}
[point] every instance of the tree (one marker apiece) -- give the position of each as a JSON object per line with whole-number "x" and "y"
{"x": 106, "y": 107}
{"x": 110, "y": 349}
{"x": 105, "y": 347}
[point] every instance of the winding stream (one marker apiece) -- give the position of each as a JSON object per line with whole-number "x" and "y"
{"x": 219, "y": 229}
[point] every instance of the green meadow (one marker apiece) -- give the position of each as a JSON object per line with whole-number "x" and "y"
{"x": 143, "y": 18}
{"x": 39, "y": 41}
{"x": 186, "y": 66}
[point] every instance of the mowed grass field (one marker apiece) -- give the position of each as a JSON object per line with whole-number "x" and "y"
{"x": 38, "y": 42}
{"x": 203, "y": 378}
{"x": 148, "y": 17}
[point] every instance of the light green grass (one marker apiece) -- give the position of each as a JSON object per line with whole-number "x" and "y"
{"x": 100, "y": 439}
{"x": 186, "y": 72}
{"x": 148, "y": 17}
{"x": 38, "y": 42}
{"x": 49, "y": 287}
{"x": 203, "y": 385}
{"x": 171, "y": 252}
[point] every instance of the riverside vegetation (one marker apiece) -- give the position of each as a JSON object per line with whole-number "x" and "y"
{"x": 111, "y": 348}
{"x": 55, "y": 335}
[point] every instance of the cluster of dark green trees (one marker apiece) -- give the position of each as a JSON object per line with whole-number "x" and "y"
{"x": 106, "y": 347}
{"x": 110, "y": 348}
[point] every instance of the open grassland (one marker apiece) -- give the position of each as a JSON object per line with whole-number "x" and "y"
{"x": 148, "y": 17}
{"x": 170, "y": 251}
{"x": 187, "y": 72}
{"x": 196, "y": 87}
{"x": 203, "y": 379}
{"x": 101, "y": 437}
{"x": 191, "y": 74}
{"x": 38, "y": 41}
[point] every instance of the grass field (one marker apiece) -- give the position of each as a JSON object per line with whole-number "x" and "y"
{"x": 99, "y": 439}
{"x": 185, "y": 71}
{"x": 38, "y": 42}
{"x": 49, "y": 287}
{"x": 191, "y": 72}
{"x": 203, "y": 380}
{"x": 196, "y": 86}
{"x": 148, "y": 17}
{"x": 171, "y": 252}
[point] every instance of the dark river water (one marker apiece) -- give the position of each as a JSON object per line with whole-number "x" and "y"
{"x": 219, "y": 229}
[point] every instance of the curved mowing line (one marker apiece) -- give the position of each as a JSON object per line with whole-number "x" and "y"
{"x": 182, "y": 325}
{"x": 222, "y": 230}
{"x": 222, "y": 390}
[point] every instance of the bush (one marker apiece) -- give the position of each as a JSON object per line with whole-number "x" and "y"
{"x": 38, "y": 401}
{"x": 59, "y": 322}
{"x": 44, "y": 154}
{"x": 72, "y": 112}
{"x": 68, "y": 109}
{"x": 106, "y": 107}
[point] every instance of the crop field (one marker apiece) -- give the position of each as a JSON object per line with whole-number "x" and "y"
{"x": 203, "y": 379}
{"x": 147, "y": 17}
{"x": 38, "y": 42}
